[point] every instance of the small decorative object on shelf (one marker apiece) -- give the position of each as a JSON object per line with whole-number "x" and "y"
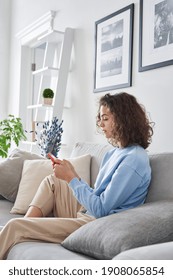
{"x": 11, "y": 129}
{"x": 49, "y": 137}
{"x": 48, "y": 95}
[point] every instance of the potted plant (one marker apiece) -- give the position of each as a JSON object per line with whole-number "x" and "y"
{"x": 11, "y": 129}
{"x": 48, "y": 95}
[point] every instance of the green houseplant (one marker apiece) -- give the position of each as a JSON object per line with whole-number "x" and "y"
{"x": 11, "y": 129}
{"x": 48, "y": 95}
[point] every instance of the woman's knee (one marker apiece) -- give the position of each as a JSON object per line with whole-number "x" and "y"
{"x": 48, "y": 183}
{"x": 14, "y": 223}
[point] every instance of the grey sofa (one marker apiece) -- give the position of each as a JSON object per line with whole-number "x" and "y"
{"x": 145, "y": 232}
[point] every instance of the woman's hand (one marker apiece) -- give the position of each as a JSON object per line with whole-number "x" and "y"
{"x": 64, "y": 170}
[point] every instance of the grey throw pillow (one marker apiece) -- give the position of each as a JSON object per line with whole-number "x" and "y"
{"x": 106, "y": 237}
{"x": 11, "y": 171}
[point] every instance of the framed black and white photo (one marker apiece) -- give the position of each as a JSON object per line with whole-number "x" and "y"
{"x": 155, "y": 34}
{"x": 113, "y": 50}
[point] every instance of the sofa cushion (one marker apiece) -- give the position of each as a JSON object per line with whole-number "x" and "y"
{"x": 11, "y": 171}
{"x": 5, "y": 216}
{"x": 97, "y": 151}
{"x": 106, "y": 237}
{"x": 43, "y": 251}
{"x": 34, "y": 171}
{"x": 161, "y": 186}
{"x": 162, "y": 251}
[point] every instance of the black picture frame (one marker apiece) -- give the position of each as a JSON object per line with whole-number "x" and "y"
{"x": 155, "y": 47}
{"x": 113, "y": 50}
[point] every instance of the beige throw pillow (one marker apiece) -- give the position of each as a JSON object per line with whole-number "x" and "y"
{"x": 34, "y": 171}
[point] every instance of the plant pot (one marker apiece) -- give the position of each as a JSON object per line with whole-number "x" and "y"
{"x": 48, "y": 101}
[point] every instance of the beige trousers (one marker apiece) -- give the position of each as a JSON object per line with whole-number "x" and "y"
{"x": 55, "y": 196}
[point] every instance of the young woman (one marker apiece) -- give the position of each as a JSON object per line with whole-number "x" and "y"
{"x": 122, "y": 181}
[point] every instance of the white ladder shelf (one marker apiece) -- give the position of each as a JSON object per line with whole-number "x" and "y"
{"x": 51, "y": 76}
{"x": 51, "y": 70}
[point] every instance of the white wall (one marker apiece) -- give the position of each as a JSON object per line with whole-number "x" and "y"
{"x": 4, "y": 55}
{"x": 152, "y": 88}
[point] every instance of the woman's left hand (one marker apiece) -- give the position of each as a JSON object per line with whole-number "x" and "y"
{"x": 64, "y": 170}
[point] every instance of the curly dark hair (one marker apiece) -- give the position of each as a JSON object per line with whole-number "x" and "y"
{"x": 132, "y": 125}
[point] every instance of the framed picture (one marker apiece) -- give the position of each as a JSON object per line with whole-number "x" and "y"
{"x": 155, "y": 34}
{"x": 113, "y": 50}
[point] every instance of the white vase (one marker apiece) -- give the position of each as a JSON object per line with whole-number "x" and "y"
{"x": 48, "y": 101}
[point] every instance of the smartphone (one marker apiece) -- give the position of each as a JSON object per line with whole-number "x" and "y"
{"x": 52, "y": 157}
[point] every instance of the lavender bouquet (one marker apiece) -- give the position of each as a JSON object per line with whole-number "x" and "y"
{"x": 49, "y": 137}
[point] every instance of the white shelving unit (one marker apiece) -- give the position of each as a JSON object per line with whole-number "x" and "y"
{"x": 53, "y": 73}
{"x": 49, "y": 51}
